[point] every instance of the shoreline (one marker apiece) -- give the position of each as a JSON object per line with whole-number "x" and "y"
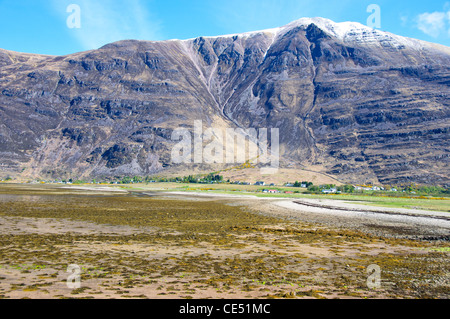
{"x": 379, "y": 221}
{"x": 337, "y": 213}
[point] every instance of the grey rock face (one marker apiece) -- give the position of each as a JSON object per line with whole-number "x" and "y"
{"x": 357, "y": 103}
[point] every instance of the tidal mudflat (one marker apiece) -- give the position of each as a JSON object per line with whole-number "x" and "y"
{"x": 143, "y": 245}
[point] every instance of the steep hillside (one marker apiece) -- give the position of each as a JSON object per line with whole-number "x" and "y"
{"x": 352, "y": 102}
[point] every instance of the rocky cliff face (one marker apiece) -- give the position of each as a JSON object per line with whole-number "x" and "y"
{"x": 353, "y": 102}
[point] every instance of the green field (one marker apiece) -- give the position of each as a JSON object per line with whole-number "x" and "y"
{"x": 387, "y": 199}
{"x": 399, "y": 200}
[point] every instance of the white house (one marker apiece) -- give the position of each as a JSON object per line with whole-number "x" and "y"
{"x": 329, "y": 191}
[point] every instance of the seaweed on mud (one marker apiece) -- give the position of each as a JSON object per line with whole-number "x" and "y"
{"x": 191, "y": 248}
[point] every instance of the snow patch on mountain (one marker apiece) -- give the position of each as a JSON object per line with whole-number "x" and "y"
{"x": 347, "y": 32}
{"x": 357, "y": 33}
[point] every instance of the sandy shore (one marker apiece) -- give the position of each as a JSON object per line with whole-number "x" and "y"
{"x": 97, "y": 189}
{"x": 381, "y": 221}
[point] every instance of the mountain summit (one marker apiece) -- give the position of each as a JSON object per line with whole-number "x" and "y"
{"x": 350, "y": 101}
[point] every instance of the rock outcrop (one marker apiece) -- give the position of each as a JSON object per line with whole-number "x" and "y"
{"x": 353, "y": 102}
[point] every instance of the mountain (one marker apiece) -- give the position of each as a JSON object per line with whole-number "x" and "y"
{"x": 350, "y": 101}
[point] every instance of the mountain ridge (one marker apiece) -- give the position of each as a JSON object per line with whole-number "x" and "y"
{"x": 347, "y": 105}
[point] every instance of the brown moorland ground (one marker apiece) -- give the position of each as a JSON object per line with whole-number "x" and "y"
{"x": 135, "y": 245}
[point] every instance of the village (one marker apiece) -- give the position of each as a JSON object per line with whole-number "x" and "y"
{"x": 262, "y": 187}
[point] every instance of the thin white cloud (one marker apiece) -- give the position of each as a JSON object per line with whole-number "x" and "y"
{"x": 107, "y": 21}
{"x": 435, "y": 24}
{"x": 432, "y": 24}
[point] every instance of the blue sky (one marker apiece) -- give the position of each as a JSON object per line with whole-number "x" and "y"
{"x": 40, "y": 26}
